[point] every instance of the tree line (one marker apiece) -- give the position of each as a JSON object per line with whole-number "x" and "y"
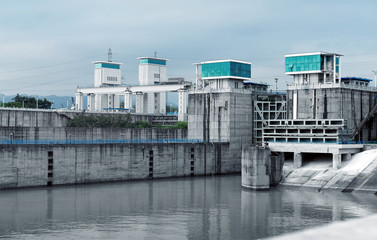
{"x": 28, "y": 102}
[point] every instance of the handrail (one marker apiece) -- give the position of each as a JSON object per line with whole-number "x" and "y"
{"x": 330, "y": 142}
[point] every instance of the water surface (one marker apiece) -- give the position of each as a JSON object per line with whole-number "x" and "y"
{"x": 180, "y": 208}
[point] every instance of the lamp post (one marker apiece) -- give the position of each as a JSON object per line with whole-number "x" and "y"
{"x": 375, "y": 74}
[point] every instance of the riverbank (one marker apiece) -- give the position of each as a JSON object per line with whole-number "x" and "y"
{"x": 357, "y": 174}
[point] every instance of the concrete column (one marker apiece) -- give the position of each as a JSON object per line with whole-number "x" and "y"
{"x": 156, "y": 103}
{"x": 110, "y": 100}
{"x": 116, "y": 101}
{"x": 91, "y": 102}
{"x": 139, "y": 102}
{"x": 348, "y": 156}
{"x": 127, "y": 99}
{"x": 163, "y": 102}
{"x": 336, "y": 161}
{"x": 79, "y": 101}
{"x": 297, "y": 160}
{"x": 97, "y": 102}
{"x": 182, "y": 105}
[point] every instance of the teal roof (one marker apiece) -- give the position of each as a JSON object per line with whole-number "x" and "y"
{"x": 107, "y": 65}
{"x": 153, "y": 61}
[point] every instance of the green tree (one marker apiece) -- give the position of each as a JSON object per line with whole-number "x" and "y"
{"x": 20, "y": 101}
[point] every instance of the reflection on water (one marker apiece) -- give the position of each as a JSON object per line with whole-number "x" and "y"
{"x": 186, "y": 208}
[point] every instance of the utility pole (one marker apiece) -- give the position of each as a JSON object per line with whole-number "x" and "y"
{"x": 375, "y": 74}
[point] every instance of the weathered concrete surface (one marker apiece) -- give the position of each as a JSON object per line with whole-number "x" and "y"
{"x": 36, "y": 165}
{"x": 362, "y": 228}
{"x": 335, "y": 102}
{"x": 337, "y": 150}
{"x": 224, "y": 116}
{"x": 358, "y": 174}
{"x": 49, "y": 118}
{"x": 259, "y": 168}
{"x": 59, "y": 133}
{"x": 254, "y": 163}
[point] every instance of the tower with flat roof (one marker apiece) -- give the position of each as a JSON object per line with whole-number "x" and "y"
{"x": 224, "y": 74}
{"x": 107, "y": 73}
{"x": 152, "y": 71}
{"x": 319, "y": 92}
{"x": 313, "y": 68}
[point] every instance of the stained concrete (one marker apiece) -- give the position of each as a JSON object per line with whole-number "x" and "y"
{"x": 28, "y": 165}
{"x": 360, "y": 176}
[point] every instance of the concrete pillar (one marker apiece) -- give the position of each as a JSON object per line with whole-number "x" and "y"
{"x": 116, "y": 101}
{"x": 254, "y": 168}
{"x": 110, "y": 100}
{"x": 98, "y": 102}
{"x": 182, "y": 105}
{"x": 297, "y": 160}
{"x": 79, "y": 101}
{"x": 336, "y": 161}
{"x": 91, "y": 102}
{"x": 127, "y": 99}
{"x": 156, "y": 103}
{"x": 163, "y": 102}
{"x": 139, "y": 102}
{"x": 348, "y": 156}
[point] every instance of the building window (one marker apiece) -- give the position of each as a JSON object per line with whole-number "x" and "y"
{"x": 236, "y": 85}
{"x": 111, "y": 79}
{"x": 156, "y": 75}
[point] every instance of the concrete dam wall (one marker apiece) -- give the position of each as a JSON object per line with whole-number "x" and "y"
{"x": 58, "y": 133}
{"x": 50, "y": 118}
{"x": 42, "y": 165}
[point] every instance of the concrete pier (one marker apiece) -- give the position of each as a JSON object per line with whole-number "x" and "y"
{"x": 254, "y": 168}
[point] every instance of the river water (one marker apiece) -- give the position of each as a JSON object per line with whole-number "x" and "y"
{"x": 181, "y": 208}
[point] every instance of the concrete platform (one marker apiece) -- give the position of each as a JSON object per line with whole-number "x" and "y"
{"x": 339, "y": 151}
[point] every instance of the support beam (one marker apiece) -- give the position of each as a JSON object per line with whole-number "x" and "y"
{"x": 182, "y": 105}
{"x": 79, "y": 101}
{"x": 139, "y": 102}
{"x": 336, "y": 161}
{"x": 128, "y": 99}
{"x": 98, "y": 102}
{"x": 297, "y": 160}
{"x": 91, "y": 102}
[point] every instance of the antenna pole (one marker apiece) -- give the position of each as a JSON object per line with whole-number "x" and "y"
{"x": 109, "y": 55}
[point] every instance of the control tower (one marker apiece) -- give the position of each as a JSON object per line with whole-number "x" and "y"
{"x": 152, "y": 71}
{"x": 318, "y": 92}
{"x": 313, "y": 68}
{"x": 107, "y": 73}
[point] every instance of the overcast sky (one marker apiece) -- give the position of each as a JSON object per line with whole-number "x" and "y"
{"x": 46, "y": 46}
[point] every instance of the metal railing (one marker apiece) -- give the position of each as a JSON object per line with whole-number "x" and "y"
{"x": 101, "y": 141}
{"x": 321, "y": 142}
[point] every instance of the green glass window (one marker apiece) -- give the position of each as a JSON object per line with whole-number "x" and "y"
{"x": 303, "y": 63}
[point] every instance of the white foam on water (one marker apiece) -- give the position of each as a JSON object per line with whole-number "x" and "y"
{"x": 359, "y": 161}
